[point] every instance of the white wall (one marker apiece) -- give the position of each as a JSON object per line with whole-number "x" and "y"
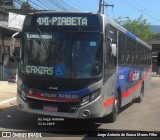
{"x": 15, "y": 20}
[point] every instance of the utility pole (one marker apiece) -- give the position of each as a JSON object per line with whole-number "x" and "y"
{"x": 3, "y": 6}
{"x": 100, "y": 7}
{"x": 103, "y": 4}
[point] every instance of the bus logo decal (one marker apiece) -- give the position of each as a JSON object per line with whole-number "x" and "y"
{"x": 121, "y": 77}
{"x": 133, "y": 76}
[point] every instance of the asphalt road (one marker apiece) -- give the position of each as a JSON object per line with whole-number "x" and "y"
{"x": 137, "y": 116}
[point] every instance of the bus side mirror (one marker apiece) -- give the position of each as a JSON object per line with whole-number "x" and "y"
{"x": 114, "y": 50}
{"x": 113, "y": 47}
{"x": 12, "y": 45}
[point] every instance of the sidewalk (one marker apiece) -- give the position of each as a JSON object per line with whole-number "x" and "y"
{"x": 8, "y": 92}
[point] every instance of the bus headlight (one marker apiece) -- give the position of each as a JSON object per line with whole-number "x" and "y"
{"x": 85, "y": 100}
{"x": 31, "y": 91}
{"x": 23, "y": 95}
{"x": 94, "y": 95}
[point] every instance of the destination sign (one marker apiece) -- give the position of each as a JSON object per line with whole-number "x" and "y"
{"x": 59, "y": 21}
{"x": 46, "y": 36}
{"x": 39, "y": 70}
{"x": 63, "y": 20}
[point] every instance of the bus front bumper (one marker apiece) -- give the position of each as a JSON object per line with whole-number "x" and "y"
{"x": 90, "y": 110}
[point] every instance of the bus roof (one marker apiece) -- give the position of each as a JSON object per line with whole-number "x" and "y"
{"x": 61, "y": 12}
{"x": 125, "y": 31}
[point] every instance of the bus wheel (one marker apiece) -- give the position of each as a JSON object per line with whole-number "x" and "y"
{"x": 139, "y": 99}
{"x": 116, "y": 106}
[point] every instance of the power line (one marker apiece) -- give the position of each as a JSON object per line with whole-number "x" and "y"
{"x": 112, "y": 11}
{"x": 61, "y": 5}
{"x": 20, "y": 2}
{"x": 57, "y": 5}
{"x": 134, "y": 7}
{"x": 37, "y": 5}
{"x": 103, "y": 4}
{"x": 71, "y": 7}
{"x": 85, "y": 6}
{"x": 47, "y": 4}
{"x": 148, "y": 12}
{"x": 77, "y": 5}
{"x": 81, "y": 6}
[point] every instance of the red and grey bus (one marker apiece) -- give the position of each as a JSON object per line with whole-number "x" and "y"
{"x": 79, "y": 65}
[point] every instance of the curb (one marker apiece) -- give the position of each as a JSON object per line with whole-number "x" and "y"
{"x": 7, "y": 103}
{"x": 155, "y": 75}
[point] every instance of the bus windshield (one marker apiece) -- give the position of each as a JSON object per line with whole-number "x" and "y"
{"x": 62, "y": 54}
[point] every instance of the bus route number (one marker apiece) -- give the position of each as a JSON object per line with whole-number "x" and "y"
{"x": 43, "y": 21}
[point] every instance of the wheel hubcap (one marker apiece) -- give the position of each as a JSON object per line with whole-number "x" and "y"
{"x": 116, "y": 103}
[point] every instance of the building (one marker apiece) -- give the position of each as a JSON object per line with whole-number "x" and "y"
{"x": 155, "y": 50}
{"x": 10, "y": 23}
{"x": 155, "y": 43}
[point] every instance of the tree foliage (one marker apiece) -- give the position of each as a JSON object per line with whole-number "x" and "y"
{"x": 156, "y": 36}
{"x": 139, "y": 27}
{"x": 9, "y": 5}
{"x": 26, "y": 6}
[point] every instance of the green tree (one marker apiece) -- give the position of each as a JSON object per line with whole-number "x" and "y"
{"x": 26, "y": 6}
{"x": 156, "y": 36}
{"x": 139, "y": 27}
{"x": 9, "y": 5}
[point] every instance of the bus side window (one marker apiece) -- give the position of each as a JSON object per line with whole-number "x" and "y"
{"x": 121, "y": 49}
{"x": 110, "y": 58}
{"x": 145, "y": 56}
{"x": 111, "y": 38}
{"x": 138, "y": 54}
{"x": 132, "y": 50}
{"x": 150, "y": 57}
{"x": 142, "y": 56}
{"x": 128, "y": 52}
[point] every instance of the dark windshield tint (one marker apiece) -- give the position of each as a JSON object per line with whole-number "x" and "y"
{"x": 63, "y": 54}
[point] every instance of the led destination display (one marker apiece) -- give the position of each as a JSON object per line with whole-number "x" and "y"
{"x": 63, "y": 20}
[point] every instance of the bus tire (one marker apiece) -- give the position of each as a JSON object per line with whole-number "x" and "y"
{"x": 116, "y": 106}
{"x": 139, "y": 99}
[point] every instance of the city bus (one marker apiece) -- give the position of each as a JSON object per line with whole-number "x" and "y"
{"x": 79, "y": 65}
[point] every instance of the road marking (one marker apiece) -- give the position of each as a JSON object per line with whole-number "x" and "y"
{"x": 7, "y": 101}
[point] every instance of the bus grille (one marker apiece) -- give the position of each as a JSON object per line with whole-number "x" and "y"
{"x": 61, "y": 107}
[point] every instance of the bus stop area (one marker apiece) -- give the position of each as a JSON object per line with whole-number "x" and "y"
{"x": 8, "y": 92}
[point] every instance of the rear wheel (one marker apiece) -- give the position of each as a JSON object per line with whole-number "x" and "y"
{"x": 139, "y": 99}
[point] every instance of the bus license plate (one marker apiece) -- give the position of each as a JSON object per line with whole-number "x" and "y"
{"x": 50, "y": 108}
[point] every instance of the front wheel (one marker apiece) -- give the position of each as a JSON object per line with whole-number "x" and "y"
{"x": 116, "y": 106}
